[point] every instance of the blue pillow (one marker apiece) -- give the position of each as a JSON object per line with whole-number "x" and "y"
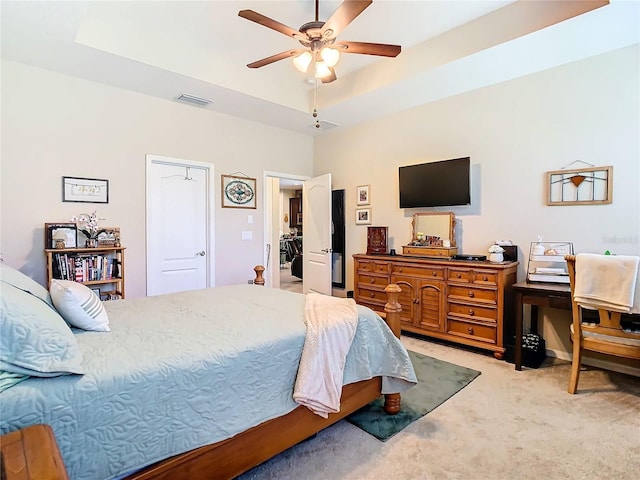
{"x": 20, "y": 280}
{"x": 34, "y": 339}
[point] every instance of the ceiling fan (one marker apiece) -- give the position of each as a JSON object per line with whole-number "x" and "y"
{"x": 319, "y": 40}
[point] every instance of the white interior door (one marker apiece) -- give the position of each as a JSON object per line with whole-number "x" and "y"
{"x": 179, "y": 238}
{"x": 316, "y": 242}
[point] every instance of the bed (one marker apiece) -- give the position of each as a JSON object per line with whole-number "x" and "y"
{"x": 156, "y": 401}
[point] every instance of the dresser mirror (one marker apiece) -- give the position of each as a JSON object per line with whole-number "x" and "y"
{"x": 437, "y": 224}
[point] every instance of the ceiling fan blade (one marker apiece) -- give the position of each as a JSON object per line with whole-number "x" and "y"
{"x": 270, "y": 23}
{"x": 274, "y": 58}
{"x": 343, "y": 16}
{"x": 381, "y": 49}
{"x": 330, "y": 78}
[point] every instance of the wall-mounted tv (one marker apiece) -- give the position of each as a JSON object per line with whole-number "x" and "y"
{"x": 435, "y": 184}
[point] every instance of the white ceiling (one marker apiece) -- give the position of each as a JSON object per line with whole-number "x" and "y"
{"x": 164, "y": 48}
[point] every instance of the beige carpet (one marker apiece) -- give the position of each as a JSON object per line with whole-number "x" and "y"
{"x": 288, "y": 281}
{"x": 504, "y": 425}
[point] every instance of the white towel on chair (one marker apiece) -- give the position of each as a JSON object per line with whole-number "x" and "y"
{"x": 608, "y": 281}
{"x": 331, "y": 326}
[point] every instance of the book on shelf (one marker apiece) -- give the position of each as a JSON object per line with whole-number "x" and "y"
{"x": 84, "y": 267}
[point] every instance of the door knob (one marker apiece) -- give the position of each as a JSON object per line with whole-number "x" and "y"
{"x": 202, "y": 253}
{"x": 326, "y": 250}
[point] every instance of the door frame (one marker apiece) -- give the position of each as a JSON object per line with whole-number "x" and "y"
{"x": 210, "y": 244}
{"x": 270, "y": 223}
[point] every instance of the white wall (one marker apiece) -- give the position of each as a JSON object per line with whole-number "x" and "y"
{"x": 514, "y": 133}
{"x": 55, "y": 125}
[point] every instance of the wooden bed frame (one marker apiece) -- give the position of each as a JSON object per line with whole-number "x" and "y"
{"x": 234, "y": 456}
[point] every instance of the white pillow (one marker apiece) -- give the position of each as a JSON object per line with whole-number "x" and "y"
{"x": 79, "y": 306}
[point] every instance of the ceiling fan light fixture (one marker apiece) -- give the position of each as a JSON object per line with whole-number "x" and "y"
{"x": 302, "y": 61}
{"x": 330, "y": 56}
{"x": 322, "y": 70}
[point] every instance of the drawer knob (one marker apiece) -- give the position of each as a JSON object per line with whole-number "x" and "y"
{"x": 434, "y": 273}
{"x": 471, "y": 294}
{"x": 458, "y": 275}
{"x": 471, "y": 312}
{"x": 470, "y": 330}
{"x": 400, "y": 270}
{"x": 373, "y": 280}
{"x": 372, "y": 294}
{"x": 485, "y": 278}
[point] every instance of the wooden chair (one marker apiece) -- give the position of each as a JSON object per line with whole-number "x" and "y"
{"x": 607, "y": 336}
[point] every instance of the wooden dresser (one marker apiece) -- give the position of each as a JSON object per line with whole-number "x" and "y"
{"x": 456, "y": 300}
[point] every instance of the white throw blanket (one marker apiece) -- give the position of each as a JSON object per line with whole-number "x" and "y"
{"x": 331, "y": 325}
{"x": 608, "y": 281}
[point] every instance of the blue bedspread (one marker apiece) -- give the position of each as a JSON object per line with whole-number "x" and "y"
{"x": 184, "y": 370}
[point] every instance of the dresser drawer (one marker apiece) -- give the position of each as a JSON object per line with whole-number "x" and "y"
{"x": 470, "y": 311}
{"x": 371, "y": 280}
{"x": 461, "y": 292}
{"x": 485, "y": 277}
{"x": 460, "y": 275}
{"x": 419, "y": 271}
{"x": 377, "y": 297}
{"x": 472, "y": 330}
{"x": 373, "y": 267}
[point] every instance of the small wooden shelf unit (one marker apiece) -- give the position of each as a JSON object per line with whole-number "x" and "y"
{"x": 455, "y": 300}
{"x": 99, "y": 268}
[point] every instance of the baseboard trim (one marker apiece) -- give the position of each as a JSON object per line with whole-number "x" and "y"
{"x": 594, "y": 362}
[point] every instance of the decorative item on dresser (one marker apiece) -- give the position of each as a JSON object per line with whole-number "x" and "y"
{"x": 377, "y": 239}
{"x": 433, "y": 235}
{"x": 460, "y": 301}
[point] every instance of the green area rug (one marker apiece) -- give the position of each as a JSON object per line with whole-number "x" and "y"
{"x": 437, "y": 382}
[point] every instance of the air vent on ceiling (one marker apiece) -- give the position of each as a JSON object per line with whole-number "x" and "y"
{"x": 193, "y": 100}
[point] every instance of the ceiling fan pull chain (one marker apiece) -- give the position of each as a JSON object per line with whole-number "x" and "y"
{"x": 315, "y": 104}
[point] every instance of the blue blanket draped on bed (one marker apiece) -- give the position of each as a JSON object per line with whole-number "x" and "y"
{"x": 184, "y": 370}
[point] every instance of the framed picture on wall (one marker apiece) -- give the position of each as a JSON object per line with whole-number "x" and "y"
{"x": 363, "y": 216}
{"x": 363, "y": 195}
{"x": 238, "y": 192}
{"x": 85, "y": 190}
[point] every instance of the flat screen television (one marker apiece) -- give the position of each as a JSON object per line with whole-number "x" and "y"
{"x": 435, "y": 184}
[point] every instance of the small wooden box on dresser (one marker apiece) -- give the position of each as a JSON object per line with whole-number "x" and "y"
{"x": 455, "y": 300}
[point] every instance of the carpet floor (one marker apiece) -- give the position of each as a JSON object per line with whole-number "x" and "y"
{"x": 437, "y": 382}
{"x": 504, "y": 425}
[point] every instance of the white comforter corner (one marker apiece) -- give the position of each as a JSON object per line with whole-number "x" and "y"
{"x": 331, "y": 326}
